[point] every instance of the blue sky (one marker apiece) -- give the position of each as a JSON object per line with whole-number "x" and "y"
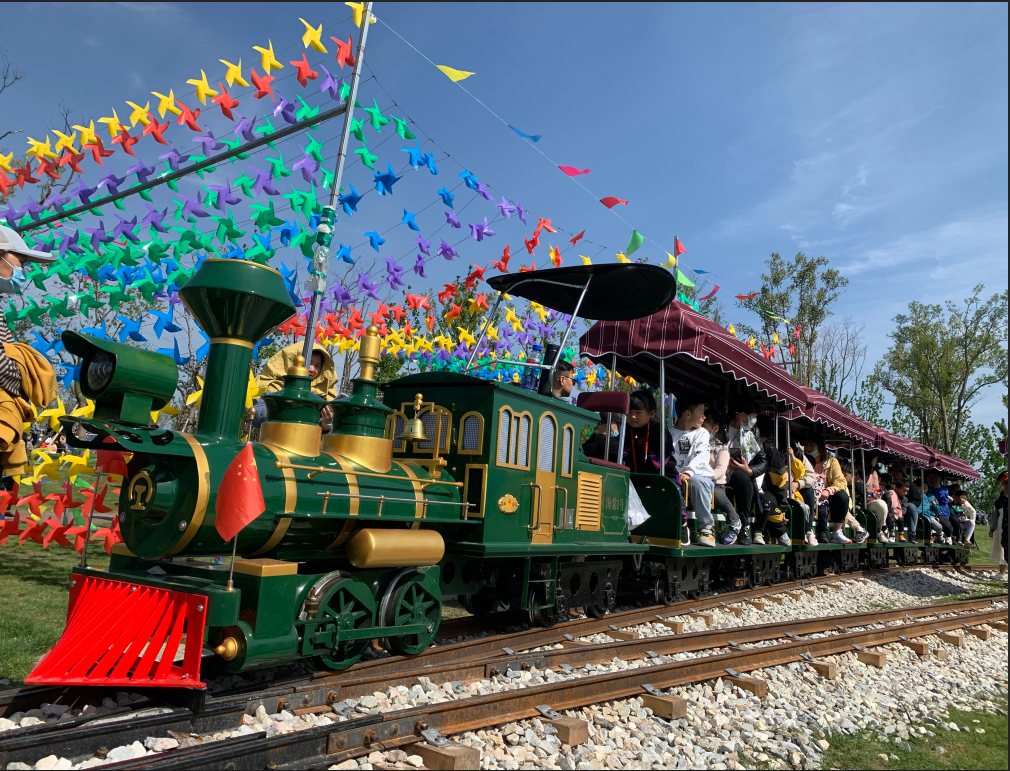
{"x": 875, "y": 135}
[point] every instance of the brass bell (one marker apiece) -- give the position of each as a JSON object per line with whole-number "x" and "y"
{"x": 413, "y": 431}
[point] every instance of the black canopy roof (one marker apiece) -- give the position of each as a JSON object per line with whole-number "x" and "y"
{"x": 617, "y": 291}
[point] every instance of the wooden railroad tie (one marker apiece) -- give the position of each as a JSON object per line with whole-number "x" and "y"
{"x": 708, "y": 618}
{"x": 825, "y": 669}
{"x": 440, "y": 754}
{"x": 756, "y": 604}
{"x": 757, "y": 687}
{"x": 872, "y": 658}
{"x": 951, "y": 639}
{"x": 810, "y": 592}
{"x": 918, "y": 647}
{"x": 776, "y": 599}
{"x": 940, "y": 653}
{"x": 736, "y": 610}
{"x": 620, "y": 634}
{"x": 978, "y": 631}
{"x": 570, "y": 642}
{"x": 999, "y": 625}
{"x": 571, "y": 731}
{"x": 677, "y": 627}
{"x": 663, "y": 704}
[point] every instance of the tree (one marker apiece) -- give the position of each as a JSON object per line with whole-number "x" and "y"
{"x": 838, "y": 356}
{"x": 980, "y": 447}
{"x": 802, "y": 292}
{"x": 9, "y": 75}
{"x": 941, "y": 359}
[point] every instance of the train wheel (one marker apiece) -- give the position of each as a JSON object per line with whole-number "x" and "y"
{"x": 411, "y": 599}
{"x": 480, "y": 604}
{"x": 347, "y": 605}
{"x": 659, "y": 592}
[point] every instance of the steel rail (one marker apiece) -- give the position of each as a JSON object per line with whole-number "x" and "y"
{"x": 77, "y": 738}
{"x": 324, "y": 746}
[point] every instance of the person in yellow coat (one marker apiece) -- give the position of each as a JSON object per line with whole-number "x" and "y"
{"x": 26, "y": 377}
{"x": 321, "y": 369}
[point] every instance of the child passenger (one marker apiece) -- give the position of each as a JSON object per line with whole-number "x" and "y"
{"x": 691, "y": 450}
{"x": 641, "y": 443}
{"x": 718, "y": 449}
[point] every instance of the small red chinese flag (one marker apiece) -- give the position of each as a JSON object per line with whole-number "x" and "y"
{"x": 678, "y": 247}
{"x": 239, "y": 497}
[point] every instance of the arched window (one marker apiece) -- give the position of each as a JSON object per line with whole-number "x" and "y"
{"x": 567, "y": 440}
{"x": 545, "y": 444}
{"x": 514, "y": 438}
{"x": 394, "y": 427}
{"x": 471, "y": 433}
{"x": 504, "y": 432}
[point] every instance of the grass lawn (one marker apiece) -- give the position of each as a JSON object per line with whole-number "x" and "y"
{"x": 980, "y": 556}
{"x": 34, "y": 608}
{"x": 960, "y": 750}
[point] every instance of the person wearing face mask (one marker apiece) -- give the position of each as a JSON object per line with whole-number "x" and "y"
{"x": 596, "y": 444}
{"x": 719, "y": 461}
{"x": 832, "y": 491}
{"x": 744, "y": 447}
{"x": 26, "y": 377}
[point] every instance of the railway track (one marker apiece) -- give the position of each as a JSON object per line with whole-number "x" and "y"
{"x": 81, "y": 738}
{"x": 32, "y": 697}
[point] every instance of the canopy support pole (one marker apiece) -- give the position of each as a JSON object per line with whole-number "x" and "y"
{"x": 662, "y": 418}
{"x": 571, "y": 321}
{"x": 324, "y": 231}
{"x": 862, "y": 463}
{"x": 610, "y": 415}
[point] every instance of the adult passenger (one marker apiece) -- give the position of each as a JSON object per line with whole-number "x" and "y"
{"x": 719, "y": 461}
{"x": 805, "y": 490}
{"x": 774, "y": 474}
{"x": 26, "y": 376}
{"x": 832, "y": 490}
{"x": 321, "y": 370}
{"x": 743, "y": 448}
{"x": 564, "y": 379}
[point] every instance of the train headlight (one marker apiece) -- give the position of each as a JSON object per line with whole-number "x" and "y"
{"x": 126, "y": 383}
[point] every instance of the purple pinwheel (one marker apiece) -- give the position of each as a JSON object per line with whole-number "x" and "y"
{"x": 225, "y": 196}
{"x": 82, "y": 191}
{"x": 173, "y": 157}
{"x": 111, "y": 182}
{"x": 55, "y": 200}
{"x": 522, "y": 212}
{"x": 70, "y": 244}
{"x": 394, "y": 273}
{"x": 153, "y": 218}
{"x": 445, "y": 250}
{"x": 285, "y": 109}
{"x": 193, "y": 207}
{"x": 264, "y": 182}
{"x": 308, "y": 166}
{"x": 245, "y": 127}
{"x": 125, "y": 229}
{"x": 98, "y": 236}
{"x": 423, "y": 245}
{"x": 142, "y": 170}
{"x": 419, "y": 266}
{"x": 450, "y": 219}
{"x": 482, "y": 191}
{"x": 342, "y": 297}
{"x": 366, "y": 287}
{"x": 208, "y": 144}
{"x": 506, "y": 208}
{"x": 480, "y": 231}
{"x": 329, "y": 85}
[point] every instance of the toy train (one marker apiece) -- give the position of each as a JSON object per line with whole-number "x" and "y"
{"x": 449, "y": 485}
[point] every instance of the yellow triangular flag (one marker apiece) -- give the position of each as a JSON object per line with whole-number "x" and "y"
{"x": 671, "y": 263}
{"x": 454, "y": 75}
{"x": 732, "y": 331}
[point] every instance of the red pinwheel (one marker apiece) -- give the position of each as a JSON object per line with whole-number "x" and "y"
{"x": 225, "y": 101}
{"x": 305, "y": 72}
{"x": 262, "y": 83}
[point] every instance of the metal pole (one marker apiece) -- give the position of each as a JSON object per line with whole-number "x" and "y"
{"x": 610, "y": 416}
{"x": 91, "y": 515}
{"x": 324, "y": 231}
{"x": 862, "y": 464}
{"x": 662, "y": 418}
{"x": 571, "y": 321}
{"x": 231, "y": 567}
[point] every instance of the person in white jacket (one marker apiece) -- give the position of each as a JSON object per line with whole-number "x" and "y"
{"x": 691, "y": 451}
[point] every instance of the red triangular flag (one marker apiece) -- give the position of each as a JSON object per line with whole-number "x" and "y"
{"x": 239, "y": 496}
{"x": 571, "y": 171}
{"x": 610, "y": 202}
{"x": 678, "y": 248}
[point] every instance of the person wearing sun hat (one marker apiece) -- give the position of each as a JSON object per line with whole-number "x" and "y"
{"x": 26, "y": 377}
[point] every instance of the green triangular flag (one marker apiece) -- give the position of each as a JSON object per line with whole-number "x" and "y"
{"x": 636, "y": 241}
{"x": 683, "y": 280}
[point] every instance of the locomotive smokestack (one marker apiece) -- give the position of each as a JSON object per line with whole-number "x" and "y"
{"x": 236, "y": 302}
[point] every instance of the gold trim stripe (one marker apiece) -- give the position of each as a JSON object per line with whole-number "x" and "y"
{"x": 344, "y": 534}
{"x": 231, "y": 341}
{"x": 290, "y": 503}
{"x": 202, "y": 495}
{"x": 353, "y": 503}
{"x": 418, "y": 490}
{"x": 244, "y": 262}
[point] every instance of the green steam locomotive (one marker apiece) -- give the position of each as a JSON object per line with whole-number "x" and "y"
{"x": 448, "y": 485}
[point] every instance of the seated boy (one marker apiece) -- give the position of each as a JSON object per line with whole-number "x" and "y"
{"x": 690, "y": 443}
